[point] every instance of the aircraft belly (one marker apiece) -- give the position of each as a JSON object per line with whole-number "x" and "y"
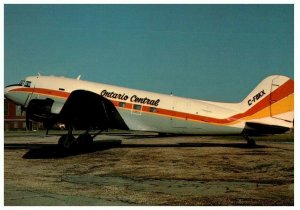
{"x": 164, "y": 124}
{"x": 210, "y": 129}
{"x": 144, "y": 122}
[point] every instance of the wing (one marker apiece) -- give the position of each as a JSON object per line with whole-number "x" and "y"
{"x": 85, "y": 109}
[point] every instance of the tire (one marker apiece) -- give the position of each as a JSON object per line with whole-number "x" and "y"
{"x": 67, "y": 141}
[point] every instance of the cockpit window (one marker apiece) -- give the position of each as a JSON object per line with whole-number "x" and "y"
{"x": 22, "y": 82}
{"x": 27, "y": 84}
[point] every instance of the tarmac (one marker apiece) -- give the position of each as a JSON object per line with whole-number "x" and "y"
{"x": 135, "y": 168}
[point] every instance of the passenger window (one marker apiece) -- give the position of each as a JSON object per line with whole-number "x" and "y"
{"x": 122, "y": 104}
{"x": 137, "y": 107}
{"x": 153, "y": 109}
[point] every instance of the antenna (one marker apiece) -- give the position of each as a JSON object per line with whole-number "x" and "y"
{"x": 78, "y": 78}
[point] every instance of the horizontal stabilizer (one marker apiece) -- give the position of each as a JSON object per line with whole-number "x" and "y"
{"x": 258, "y": 128}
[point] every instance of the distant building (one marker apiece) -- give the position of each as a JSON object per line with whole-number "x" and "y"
{"x": 14, "y": 118}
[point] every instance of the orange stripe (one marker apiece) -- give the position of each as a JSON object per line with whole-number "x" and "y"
{"x": 43, "y": 91}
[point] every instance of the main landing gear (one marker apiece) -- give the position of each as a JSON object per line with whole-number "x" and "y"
{"x": 84, "y": 140}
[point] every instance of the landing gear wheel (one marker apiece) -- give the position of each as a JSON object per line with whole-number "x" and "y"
{"x": 67, "y": 141}
{"x": 84, "y": 139}
{"x": 250, "y": 142}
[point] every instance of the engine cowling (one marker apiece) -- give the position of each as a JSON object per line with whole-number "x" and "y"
{"x": 43, "y": 110}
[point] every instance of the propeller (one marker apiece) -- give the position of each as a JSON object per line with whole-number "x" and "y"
{"x": 28, "y": 116}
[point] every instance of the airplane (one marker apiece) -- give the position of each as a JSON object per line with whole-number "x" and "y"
{"x": 268, "y": 109}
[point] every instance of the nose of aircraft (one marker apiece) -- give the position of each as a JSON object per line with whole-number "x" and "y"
{"x": 10, "y": 94}
{"x": 7, "y": 89}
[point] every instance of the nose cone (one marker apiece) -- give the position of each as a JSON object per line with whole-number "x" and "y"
{"x": 7, "y": 91}
{"x": 11, "y": 93}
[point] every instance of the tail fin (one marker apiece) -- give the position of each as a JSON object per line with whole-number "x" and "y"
{"x": 271, "y": 102}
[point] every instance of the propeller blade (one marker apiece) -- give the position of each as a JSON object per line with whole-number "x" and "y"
{"x": 27, "y": 122}
{"x": 28, "y": 116}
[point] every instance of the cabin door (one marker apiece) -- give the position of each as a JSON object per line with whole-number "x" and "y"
{"x": 179, "y": 114}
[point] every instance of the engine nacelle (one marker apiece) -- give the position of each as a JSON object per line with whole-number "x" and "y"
{"x": 42, "y": 110}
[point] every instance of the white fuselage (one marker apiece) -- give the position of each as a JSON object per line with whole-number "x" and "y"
{"x": 148, "y": 111}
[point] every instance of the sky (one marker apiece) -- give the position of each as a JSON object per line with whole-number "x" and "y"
{"x": 210, "y": 52}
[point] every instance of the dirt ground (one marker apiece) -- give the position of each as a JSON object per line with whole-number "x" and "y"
{"x": 146, "y": 169}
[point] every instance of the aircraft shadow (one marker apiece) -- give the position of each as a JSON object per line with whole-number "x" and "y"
{"x": 53, "y": 151}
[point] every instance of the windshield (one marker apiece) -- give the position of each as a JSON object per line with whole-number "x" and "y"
{"x": 27, "y": 84}
{"x": 21, "y": 82}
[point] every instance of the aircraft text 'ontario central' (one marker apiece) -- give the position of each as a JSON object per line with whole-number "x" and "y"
{"x": 133, "y": 98}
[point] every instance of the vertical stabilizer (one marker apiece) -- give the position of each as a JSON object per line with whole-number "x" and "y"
{"x": 271, "y": 102}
